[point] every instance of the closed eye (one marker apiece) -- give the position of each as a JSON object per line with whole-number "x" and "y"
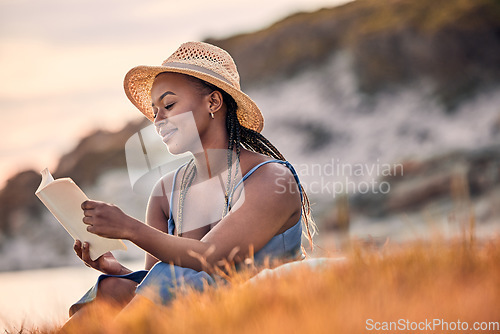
{"x": 169, "y": 106}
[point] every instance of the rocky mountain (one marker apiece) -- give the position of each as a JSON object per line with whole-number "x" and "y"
{"x": 459, "y": 175}
{"x": 453, "y": 45}
{"x": 377, "y": 79}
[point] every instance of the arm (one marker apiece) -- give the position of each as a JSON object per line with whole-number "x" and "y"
{"x": 256, "y": 218}
{"x": 157, "y": 212}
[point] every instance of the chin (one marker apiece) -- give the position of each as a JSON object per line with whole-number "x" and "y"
{"x": 175, "y": 150}
{"x": 181, "y": 145}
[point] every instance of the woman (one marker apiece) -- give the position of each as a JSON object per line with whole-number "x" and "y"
{"x": 200, "y": 216}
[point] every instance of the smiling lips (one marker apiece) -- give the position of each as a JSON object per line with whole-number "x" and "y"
{"x": 165, "y": 130}
{"x": 167, "y": 133}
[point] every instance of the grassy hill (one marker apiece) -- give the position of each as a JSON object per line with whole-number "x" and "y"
{"x": 437, "y": 282}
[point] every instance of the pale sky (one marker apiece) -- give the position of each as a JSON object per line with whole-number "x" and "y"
{"x": 63, "y": 62}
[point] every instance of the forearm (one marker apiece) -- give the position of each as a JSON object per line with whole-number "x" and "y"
{"x": 171, "y": 249}
{"x": 109, "y": 221}
{"x": 124, "y": 270}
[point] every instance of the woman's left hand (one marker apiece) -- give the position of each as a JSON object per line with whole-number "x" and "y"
{"x": 107, "y": 220}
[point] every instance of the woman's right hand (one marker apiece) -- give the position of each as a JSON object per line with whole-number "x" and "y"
{"x": 106, "y": 263}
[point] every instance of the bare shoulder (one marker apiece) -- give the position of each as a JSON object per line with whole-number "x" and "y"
{"x": 163, "y": 186}
{"x": 270, "y": 178}
{"x": 249, "y": 160}
{"x": 266, "y": 204}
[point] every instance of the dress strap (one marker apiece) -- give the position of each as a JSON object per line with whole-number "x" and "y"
{"x": 250, "y": 172}
{"x": 171, "y": 222}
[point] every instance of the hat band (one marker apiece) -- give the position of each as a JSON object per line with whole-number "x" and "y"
{"x": 197, "y": 68}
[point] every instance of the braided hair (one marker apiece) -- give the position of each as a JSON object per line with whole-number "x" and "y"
{"x": 255, "y": 142}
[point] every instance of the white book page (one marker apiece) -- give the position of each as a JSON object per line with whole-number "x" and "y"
{"x": 64, "y": 199}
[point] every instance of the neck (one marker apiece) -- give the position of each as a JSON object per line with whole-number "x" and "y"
{"x": 213, "y": 159}
{"x": 213, "y": 162}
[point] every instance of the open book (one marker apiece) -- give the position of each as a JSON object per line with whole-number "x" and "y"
{"x": 64, "y": 199}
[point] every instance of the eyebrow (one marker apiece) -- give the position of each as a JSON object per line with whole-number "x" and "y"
{"x": 163, "y": 95}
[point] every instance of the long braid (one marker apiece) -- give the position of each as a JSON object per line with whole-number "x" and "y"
{"x": 249, "y": 139}
{"x": 255, "y": 142}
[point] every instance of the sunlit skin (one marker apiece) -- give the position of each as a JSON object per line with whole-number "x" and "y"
{"x": 265, "y": 211}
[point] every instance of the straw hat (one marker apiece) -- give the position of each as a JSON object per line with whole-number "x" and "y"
{"x": 203, "y": 61}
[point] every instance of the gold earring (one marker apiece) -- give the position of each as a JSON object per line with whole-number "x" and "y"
{"x": 212, "y": 115}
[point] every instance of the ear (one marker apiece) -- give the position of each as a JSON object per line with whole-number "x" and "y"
{"x": 215, "y": 101}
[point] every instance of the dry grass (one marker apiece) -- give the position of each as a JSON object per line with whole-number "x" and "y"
{"x": 451, "y": 281}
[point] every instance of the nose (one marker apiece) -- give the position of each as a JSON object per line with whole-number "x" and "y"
{"x": 161, "y": 113}
{"x": 160, "y": 117}
{"x": 159, "y": 123}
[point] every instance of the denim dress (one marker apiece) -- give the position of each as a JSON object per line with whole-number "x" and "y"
{"x": 165, "y": 279}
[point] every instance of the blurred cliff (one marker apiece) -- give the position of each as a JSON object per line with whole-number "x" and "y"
{"x": 452, "y": 44}
{"x": 412, "y": 82}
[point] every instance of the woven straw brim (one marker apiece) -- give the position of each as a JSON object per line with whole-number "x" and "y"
{"x": 139, "y": 81}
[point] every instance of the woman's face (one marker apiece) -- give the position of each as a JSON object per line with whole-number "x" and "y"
{"x": 181, "y": 111}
